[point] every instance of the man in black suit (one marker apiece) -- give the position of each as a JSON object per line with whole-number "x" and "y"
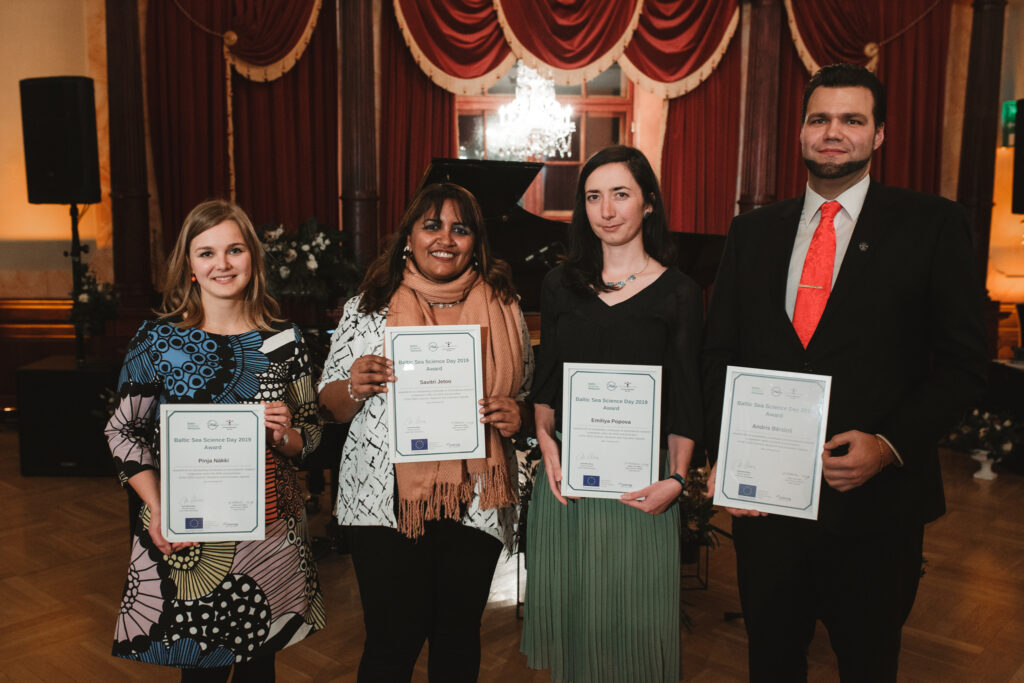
{"x": 877, "y": 291}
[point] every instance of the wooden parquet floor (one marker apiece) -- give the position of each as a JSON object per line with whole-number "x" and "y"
{"x": 63, "y": 556}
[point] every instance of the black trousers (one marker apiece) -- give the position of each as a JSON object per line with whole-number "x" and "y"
{"x": 792, "y": 572}
{"x": 434, "y": 588}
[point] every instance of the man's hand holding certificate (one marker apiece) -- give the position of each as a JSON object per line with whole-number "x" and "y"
{"x": 773, "y": 433}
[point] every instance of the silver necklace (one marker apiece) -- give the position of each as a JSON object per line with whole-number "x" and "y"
{"x": 444, "y": 304}
{"x": 622, "y": 283}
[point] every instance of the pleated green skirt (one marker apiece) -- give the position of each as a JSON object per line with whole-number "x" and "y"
{"x": 602, "y": 591}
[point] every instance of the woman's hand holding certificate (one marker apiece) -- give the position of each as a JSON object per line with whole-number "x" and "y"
{"x": 435, "y": 404}
{"x": 611, "y": 428}
{"x": 212, "y": 479}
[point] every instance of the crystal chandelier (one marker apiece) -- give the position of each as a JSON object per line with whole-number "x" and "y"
{"x": 533, "y": 125}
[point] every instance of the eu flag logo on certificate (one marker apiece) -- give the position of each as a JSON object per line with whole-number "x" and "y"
{"x": 591, "y": 480}
{"x": 193, "y": 522}
{"x": 419, "y": 444}
{"x": 748, "y": 490}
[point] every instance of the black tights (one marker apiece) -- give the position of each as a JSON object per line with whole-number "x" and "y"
{"x": 259, "y": 670}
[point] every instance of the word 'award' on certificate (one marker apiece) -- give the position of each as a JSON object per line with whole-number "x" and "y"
{"x": 611, "y": 428}
{"x": 212, "y": 472}
{"x": 773, "y": 433}
{"x": 433, "y": 405}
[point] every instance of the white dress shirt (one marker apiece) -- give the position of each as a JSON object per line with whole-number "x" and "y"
{"x": 852, "y": 201}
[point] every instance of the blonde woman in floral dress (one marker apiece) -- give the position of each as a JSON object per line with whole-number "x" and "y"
{"x": 209, "y": 607}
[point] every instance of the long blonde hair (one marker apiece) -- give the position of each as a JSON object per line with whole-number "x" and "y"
{"x": 181, "y": 295}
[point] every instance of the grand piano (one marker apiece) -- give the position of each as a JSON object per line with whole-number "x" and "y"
{"x": 531, "y": 244}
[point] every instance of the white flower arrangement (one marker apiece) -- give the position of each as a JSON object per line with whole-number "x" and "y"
{"x": 996, "y": 433}
{"x": 321, "y": 272}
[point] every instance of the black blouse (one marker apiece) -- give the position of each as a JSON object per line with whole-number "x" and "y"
{"x": 660, "y": 325}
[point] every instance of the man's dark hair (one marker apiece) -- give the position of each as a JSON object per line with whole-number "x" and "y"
{"x": 846, "y": 76}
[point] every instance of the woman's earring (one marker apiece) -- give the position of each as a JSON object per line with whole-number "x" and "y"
{"x": 193, "y": 277}
{"x": 647, "y": 214}
{"x": 405, "y": 252}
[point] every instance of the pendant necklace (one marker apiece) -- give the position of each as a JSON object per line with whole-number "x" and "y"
{"x": 622, "y": 283}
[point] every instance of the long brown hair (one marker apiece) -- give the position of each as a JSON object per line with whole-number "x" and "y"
{"x": 385, "y": 274}
{"x": 181, "y": 295}
{"x": 585, "y": 258}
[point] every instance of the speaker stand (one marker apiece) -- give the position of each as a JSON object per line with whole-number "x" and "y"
{"x": 77, "y": 275}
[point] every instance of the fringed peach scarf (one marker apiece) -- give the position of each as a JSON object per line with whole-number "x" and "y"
{"x": 436, "y": 490}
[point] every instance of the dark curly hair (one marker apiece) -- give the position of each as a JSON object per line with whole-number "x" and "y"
{"x": 585, "y": 260}
{"x": 385, "y": 274}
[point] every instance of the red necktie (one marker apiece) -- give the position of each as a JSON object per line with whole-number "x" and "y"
{"x": 816, "y": 278}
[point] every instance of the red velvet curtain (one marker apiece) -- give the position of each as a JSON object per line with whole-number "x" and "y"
{"x": 268, "y": 29}
{"x": 286, "y": 136}
{"x": 417, "y": 122}
{"x": 912, "y": 67}
{"x": 568, "y": 34}
{"x": 461, "y": 37}
{"x": 285, "y": 131}
{"x": 837, "y": 30}
{"x": 791, "y": 174}
{"x": 187, "y": 108}
{"x": 675, "y": 37}
{"x": 699, "y": 156}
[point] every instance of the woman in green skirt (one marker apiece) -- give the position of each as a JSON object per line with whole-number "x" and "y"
{"x": 602, "y": 592}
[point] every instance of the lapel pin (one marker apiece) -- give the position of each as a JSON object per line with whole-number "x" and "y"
{"x": 863, "y": 246}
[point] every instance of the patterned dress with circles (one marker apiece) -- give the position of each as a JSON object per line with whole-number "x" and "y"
{"x": 215, "y": 604}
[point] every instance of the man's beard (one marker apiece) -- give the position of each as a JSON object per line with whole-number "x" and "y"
{"x": 831, "y": 171}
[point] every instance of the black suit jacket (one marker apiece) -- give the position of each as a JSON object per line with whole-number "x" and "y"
{"x": 902, "y": 336}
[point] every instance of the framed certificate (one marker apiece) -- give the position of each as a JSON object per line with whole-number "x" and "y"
{"x": 611, "y": 428}
{"x": 212, "y": 472}
{"x": 773, "y": 434}
{"x": 433, "y": 406}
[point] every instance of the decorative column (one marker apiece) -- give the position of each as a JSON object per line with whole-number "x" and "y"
{"x": 358, "y": 130}
{"x": 761, "y": 124}
{"x": 981, "y": 124}
{"x": 129, "y": 191}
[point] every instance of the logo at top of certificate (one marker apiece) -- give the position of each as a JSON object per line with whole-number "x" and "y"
{"x": 212, "y": 424}
{"x": 628, "y": 386}
{"x": 611, "y": 385}
{"x": 419, "y": 445}
{"x": 432, "y": 346}
{"x": 591, "y": 480}
{"x": 776, "y": 390}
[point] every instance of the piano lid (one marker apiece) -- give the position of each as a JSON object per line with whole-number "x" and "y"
{"x": 494, "y": 183}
